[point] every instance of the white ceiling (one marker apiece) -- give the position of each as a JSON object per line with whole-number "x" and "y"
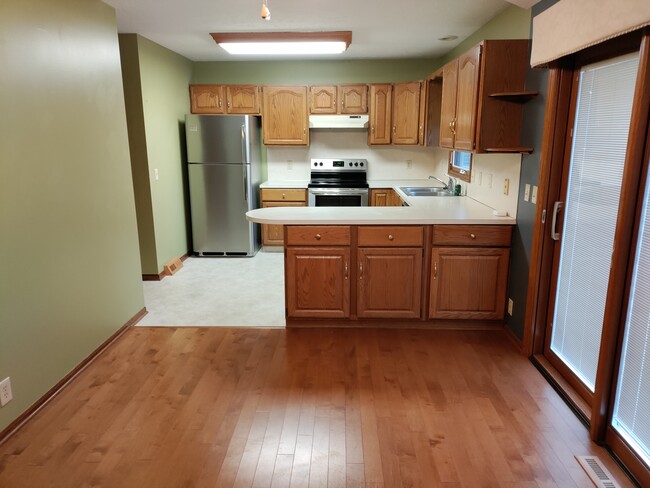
{"x": 380, "y": 28}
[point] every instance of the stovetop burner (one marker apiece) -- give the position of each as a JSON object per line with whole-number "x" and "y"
{"x": 338, "y": 173}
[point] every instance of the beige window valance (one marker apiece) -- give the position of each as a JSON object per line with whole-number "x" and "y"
{"x": 572, "y": 25}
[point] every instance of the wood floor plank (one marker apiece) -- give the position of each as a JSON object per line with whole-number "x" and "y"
{"x": 362, "y": 408}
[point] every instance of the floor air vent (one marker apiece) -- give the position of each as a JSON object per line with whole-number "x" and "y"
{"x": 597, "y": 472}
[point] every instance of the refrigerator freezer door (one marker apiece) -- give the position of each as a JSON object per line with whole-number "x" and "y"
{"x": 219, "y": 138}
{"x": 219, "y": 200}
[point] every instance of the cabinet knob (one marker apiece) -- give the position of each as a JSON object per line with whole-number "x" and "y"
{"x": 318, "y": 237}
{"x": 284, "y": 196}
{"x": 391, "y": 237}
{"x": 304, "y": 131}
{"x": 473, "y": 236}
{"x": 394, "y": 130}
{"x": 373, "y": 129}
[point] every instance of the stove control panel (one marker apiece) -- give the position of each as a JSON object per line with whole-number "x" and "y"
{"x": 339, "y": 164}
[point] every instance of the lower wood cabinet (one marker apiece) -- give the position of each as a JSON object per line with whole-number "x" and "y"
{"x": 389, "y": 283}
{"x": 384, "y": 197}
{"x": 317, "y": 282}
{"x": 272, "y": 234}
{"x": 469, "y": 271}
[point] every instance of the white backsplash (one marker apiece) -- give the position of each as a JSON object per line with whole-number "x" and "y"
{"x": 286, "y": 163}
{"x": 384, "y": 162}
{"x": 489, "y": 172}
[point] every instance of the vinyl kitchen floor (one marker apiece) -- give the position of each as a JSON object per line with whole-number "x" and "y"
{"x": 219, "y": 292}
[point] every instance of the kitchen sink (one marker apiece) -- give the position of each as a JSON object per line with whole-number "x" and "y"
{"x": 424, "y": 191}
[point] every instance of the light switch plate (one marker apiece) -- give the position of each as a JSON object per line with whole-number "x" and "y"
{"x": 506, "y": 186}
{"x": 533, "y": 198}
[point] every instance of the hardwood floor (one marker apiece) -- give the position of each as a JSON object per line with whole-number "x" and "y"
{"x": 194, "y": 407}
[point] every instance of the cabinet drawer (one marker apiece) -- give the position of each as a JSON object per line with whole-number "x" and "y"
{"x": 391, "y": 236}
{"x": 284, "y": 194}
{"x": 318, "y": 235}
{"x": 472, "y": 235}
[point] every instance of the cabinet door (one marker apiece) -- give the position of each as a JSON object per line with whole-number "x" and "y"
{"x": 389, "y": 282}
{"x": 424, "y": 90}
{"x": 317, "y": 282}
{"x": 406, "y": 113}
{"x": 448, "y": 104}
{"x": 380, "y": 107}
{"x": 273, "y": 234}
{"x": 467, "y": 99}
{"x": 468, "y": 283}
{"x": 353, "y": 99}
{"x": 285, "y": 117}
{"x": 379, "y": 198}
{"x": 243, "y": 99}
{"x": 207, "y": 99}
{"x": 322, "y": 100}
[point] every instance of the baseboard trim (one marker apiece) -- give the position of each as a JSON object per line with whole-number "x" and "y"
{"x": 23, "y": 418}
{"x": 513, "y": 338}
{"x": 162, "y": 274}
{"x": 438, "y": 324}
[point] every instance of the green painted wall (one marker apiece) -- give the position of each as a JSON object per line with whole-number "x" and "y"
{"x": 512, "y": 23}
{"x": 70, "y": 267}
{"x": 156, "y": 86}
{"x": 138, "y": 148}
{"x": 311, "y": 72}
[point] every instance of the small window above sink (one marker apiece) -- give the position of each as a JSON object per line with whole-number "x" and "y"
{"x": 460, "y": 165}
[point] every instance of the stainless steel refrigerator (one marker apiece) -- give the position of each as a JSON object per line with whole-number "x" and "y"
{"x": 225, "y": 171}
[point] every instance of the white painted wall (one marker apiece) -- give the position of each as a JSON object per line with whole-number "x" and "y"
{"x": 384, "y": 162}
{"x": 489, "y": 172}
{"x": 389, "y": 163}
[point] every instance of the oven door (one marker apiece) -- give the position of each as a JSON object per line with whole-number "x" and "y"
{"x": 338, "y": 197}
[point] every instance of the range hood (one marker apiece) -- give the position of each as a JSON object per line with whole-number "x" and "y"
{"x": 338, "y": 121}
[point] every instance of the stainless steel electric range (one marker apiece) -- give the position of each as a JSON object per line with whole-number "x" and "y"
{"x": 338, "y": 183}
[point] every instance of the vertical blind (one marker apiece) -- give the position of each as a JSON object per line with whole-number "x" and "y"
{"x": 631, "y": 416}
{"x": 600, "y": 133}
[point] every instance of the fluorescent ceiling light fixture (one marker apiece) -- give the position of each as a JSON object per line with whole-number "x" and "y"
{"x": 287, "y": 43}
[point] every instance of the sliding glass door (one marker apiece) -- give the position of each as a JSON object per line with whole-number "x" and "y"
{"x": 592, "y": 180}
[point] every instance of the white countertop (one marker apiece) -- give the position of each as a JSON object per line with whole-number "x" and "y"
{"x": 372, "y": 183}
{"x": 285, "y": 184}
{"x": 423, "y": 211}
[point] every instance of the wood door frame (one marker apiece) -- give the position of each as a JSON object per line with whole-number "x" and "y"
{"x": 553, "y": 153}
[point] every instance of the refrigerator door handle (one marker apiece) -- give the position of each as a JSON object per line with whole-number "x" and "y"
{"x": 243, "y": 158}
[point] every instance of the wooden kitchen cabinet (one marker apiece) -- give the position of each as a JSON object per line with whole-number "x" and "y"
{"x": 207, "y": 99}
{"x": 285, "y": 115}
{"x": 380, "y": 105}
{"x": 406, "y": 113}
{"x": 317, "y": 271}
{"x": 469, "y": 273}
{"x": 384, "y": 197}
{"x": 482, "y": 95}
{"x": 389, "y": 283}
{"x": 225, "y": 99}
{"x": 273, "y": 235}
{"x": 341, "y": 99}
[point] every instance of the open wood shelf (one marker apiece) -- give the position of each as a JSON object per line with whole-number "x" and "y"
{"x": 521, "y": 97}
{"x": 526, "y": 150}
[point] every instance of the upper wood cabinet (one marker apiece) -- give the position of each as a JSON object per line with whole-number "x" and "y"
{"x": 342, "y": 99}
{"x": 242, "y": 99}
{"x": 395, "y": 114}
{"x": 380, "y": 113}
{"x": 225, "y": 99}
{"x": 406, "y": 113}
{"x": 480, "y": 109}
{"x": 285, "y": 116}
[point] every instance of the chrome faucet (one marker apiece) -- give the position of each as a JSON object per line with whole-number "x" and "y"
{"x": 449, "y": 186}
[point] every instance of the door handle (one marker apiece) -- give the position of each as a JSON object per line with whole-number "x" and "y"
{"x": 555, "y": 235}
{"x": 243, "y": 159}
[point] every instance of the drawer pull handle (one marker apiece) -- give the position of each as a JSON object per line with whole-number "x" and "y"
{"x": 318, "y": 237}
{"x": 390, "y": 237}
{"x": 473, "y": 236}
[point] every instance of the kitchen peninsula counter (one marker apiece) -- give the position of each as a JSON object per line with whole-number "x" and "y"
{"x": 421, "y": 211}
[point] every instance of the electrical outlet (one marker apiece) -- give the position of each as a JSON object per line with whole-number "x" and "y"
{"x": 289, "y": 164}
{"x": 409, "y": 164}
{"x": 533, "y": 198}
{"x": 5, "y": 391}
{"x": 511, "y": 304}
{"x": 489, "y": 182}
{"x": 156, "y": 176}
{"x": 506, "y": 186}
{"x": 527, "y": 192}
